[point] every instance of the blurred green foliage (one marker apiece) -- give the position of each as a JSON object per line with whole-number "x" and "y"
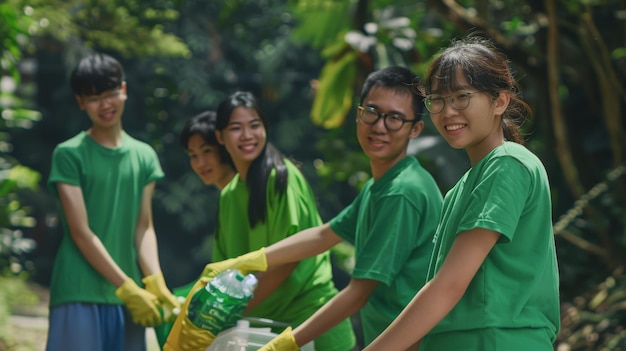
{"x": 13, "y": 292}
{"x": 14, "y": 177}
{"x": 306, "y": 60}
{"x": 130, "y": 28}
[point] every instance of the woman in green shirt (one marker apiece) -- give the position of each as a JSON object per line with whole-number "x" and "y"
{"x": 493, "y": 278}
{"x": 269, "y": 199}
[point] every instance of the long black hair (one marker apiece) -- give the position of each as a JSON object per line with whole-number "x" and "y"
{"x": 260, "y": 169}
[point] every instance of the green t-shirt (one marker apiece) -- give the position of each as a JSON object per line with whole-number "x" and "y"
{"x": 112, "y": 182}
{"x": 310, "y": 285}
{"x": 515, "y": 294}
{"x": 391, "y": 224}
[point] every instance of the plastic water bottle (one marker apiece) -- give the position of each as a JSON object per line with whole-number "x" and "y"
{"x": 222, "y": 302}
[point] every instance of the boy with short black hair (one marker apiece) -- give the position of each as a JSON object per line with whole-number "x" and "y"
{"x": 104, "y": 179}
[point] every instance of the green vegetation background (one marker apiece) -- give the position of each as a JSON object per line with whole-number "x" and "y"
{"x": 306, "y": 60}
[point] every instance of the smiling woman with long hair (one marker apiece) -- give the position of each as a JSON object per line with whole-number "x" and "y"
{"x": 268, "y": 200}
{"x": 493, "y": 281}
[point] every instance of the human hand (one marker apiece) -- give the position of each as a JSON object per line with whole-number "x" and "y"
{"x": 250, "y": 262}
{"x": 184, "y": 335}
{"x": 285, "y": 341}
{"x": 141, "y": 303}
{"x": 156, "y": 284}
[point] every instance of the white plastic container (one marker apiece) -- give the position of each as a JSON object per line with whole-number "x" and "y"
{"x": 242, "y": 337}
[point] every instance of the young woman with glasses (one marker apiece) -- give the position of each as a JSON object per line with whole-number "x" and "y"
{"x": 493, "y": 278}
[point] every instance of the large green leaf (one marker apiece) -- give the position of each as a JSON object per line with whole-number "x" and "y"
{"x": 335, "y": 92}
{"x": 320, "y": 21}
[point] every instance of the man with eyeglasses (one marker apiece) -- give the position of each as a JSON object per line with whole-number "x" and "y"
{"x": 104, "y": 180}
{"x": 391, "y": 222}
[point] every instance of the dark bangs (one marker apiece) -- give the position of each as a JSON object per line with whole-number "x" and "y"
{"x": 96, "y": 84}
{"x": 481, "y": 68}
{"x": 96, "y": 74}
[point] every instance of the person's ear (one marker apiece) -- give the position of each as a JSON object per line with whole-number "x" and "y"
{"x": 123, "y": 95}
{"x": 219, "y": 137}
{"x": 416, "y": 130}
{"x": 502, "y": 102}
{"x": 79, "y": 100}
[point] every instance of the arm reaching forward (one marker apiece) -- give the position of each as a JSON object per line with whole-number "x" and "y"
{"x": 433, "y": 302}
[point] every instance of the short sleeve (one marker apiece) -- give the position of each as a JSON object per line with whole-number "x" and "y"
{"x": 155, "y": 171}
{"x": 65, "y": 169}
{"x": 497, "y": 201}
{"x": 382, "y": 251}
{"x": 344, "y": 224}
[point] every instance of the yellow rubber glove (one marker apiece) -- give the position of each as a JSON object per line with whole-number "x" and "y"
{"x": 156, "y": 284}
{"x": 254, "y": 261}
{"x": 184, "y": 335}
{"x": 141, "y": 303}
{"x": 285, "y": 341}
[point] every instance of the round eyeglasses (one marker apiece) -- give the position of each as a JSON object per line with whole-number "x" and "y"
{"x": 104, "y": 98}
{"x": 459, "y": 101}
{"x": 392, "y": 121}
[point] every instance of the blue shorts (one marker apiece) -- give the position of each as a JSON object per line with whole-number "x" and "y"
{"x": 95, "y": 327}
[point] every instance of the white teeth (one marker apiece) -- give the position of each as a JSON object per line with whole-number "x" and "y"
{"x": 455, "y": 126}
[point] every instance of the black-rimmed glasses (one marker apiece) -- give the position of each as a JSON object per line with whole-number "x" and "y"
{"x": 459, "y": 101}
{"x": 392, "y": 121}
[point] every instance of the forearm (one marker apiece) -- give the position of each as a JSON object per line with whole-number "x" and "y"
{"x": 145, "y": 237}
{"x": 269, "y": 281}
{"x": 147, "y": 251}
{"x": 346, "y": 303}
{"x": 439, "y": 296}
{"x": 428, "y": 307}
{"x": 87, "y": 242}
{"x": 305, "y": 244}
{"x": 98, "y": 257}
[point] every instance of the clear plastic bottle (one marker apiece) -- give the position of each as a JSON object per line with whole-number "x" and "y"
{"x": 222, "y": 302}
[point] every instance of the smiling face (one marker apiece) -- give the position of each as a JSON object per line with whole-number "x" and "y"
{"x": 244, "y": 138}
{"x": 478, "y": 127}
{"x": 205, "y": 160}
{"x": 105, "y": 109}
{"x": 384, "y": 147}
